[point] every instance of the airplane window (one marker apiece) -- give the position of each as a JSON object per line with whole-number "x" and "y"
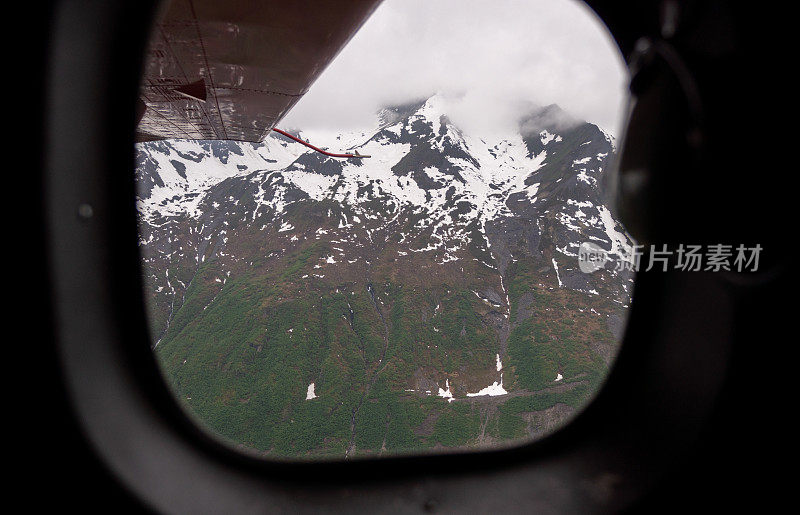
{"x": 454, "y": 280}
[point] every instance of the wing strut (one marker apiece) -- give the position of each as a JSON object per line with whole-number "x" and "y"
{"x": 309, "y": 145}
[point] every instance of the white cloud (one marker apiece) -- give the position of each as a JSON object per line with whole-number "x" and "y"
{"x": 494, "y": 56}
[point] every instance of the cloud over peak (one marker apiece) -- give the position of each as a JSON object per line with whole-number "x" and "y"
{"x": 492, "y": 60}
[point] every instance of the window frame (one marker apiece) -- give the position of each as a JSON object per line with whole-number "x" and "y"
{"x": 603, "y": 460}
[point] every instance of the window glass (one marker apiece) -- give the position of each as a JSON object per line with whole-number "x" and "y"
{"x": 428, "y": 298}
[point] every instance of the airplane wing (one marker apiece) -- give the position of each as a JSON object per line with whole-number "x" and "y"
{"x": 232, "y": 69}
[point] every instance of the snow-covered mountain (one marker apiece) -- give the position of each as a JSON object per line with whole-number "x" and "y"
{"x": 422, "y": 166}
{"x": 434, "y": 210}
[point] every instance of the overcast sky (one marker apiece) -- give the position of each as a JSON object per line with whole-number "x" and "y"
{"x": 493, "y": 56}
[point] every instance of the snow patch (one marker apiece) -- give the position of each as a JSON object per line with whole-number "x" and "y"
{"x": 555, "y": 266}
{"x": 492, "y": 390}
{"x": 446, "y": 393}
{"x": 310, "y": 392}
